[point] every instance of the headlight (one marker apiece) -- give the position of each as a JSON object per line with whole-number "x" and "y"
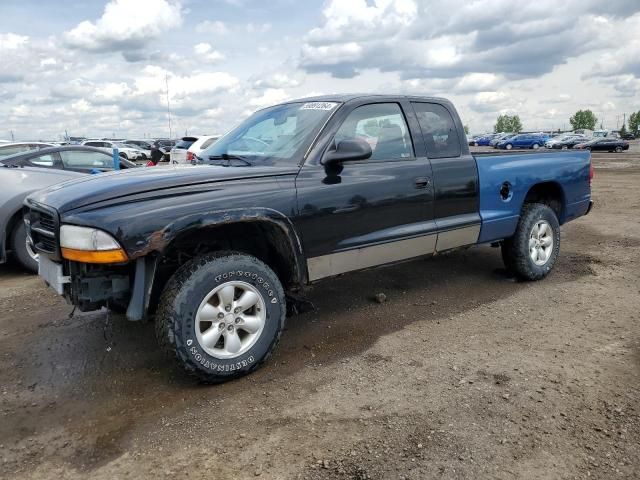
{"x": 90, "y": 245}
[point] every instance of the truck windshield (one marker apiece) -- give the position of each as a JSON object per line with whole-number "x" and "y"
{"x": 275, "y": 135}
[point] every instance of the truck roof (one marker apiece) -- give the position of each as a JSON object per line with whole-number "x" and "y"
{"x": 345, "y": 97}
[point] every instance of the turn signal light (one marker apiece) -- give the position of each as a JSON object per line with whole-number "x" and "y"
{"x": 95, "y": 256}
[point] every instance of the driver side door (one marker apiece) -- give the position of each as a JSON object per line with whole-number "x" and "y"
{"x": 362, "y": 213}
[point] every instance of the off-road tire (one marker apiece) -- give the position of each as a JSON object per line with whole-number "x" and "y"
{"x": 19, "y": 247}
{"x": 515, "y": 250}
{"x": 186, "y": 289}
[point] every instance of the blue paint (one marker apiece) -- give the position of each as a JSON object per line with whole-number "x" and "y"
{"x": 568, "y": 169}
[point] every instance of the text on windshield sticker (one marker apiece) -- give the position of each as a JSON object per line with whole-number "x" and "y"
{"x": 318, "y": 106}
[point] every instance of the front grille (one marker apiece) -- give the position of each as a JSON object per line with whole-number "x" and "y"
{"x": 43, "y": 228}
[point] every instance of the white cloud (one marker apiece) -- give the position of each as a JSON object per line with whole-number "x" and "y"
{"x": 11, "y": 41}
{"x": 357, "y": 19}
{"x": 125, "y": 25}
{"x": 206, "y": 53}
{"x": 271, "y": 96}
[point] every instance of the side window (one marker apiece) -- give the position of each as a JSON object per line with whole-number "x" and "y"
{"x": 383, "y": 126}
{"x": 80, "y": 159}
{"x": 438, "y": 129}
{"x": 207, "y": 143}
{"x": 46, "y": 160}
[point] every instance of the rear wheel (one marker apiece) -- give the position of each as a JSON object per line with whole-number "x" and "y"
{"x": 23, "y": 248}
{"x": 533, "y": 250}
{"x": 618, "y": 149}
{"x": 124, "y": 155}
{"x": 535, "y": 146}
{"x": 564, "y": 147}
{"x": 221, "y": 316}
{"x": 508, "y": 146}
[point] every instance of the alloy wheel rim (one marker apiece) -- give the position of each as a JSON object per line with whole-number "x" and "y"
{"x": 30, "y": 249}
{"x": 541, "y": 242}
{"x": 230, "y": 319}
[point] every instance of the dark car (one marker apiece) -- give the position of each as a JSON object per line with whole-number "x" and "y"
{"x": 628, "y": 136}
{"x": 296, "y": 193}
{"x": 568, "y": 143}
{"x": 67, "y": 157}
{"x": 604, "y": 145}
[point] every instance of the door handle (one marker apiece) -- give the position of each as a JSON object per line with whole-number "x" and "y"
{"x": 422, "y": 182}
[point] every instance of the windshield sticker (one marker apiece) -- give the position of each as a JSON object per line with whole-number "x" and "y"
{"x": 318, "y": 106}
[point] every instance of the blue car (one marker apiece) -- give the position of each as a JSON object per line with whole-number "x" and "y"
{"x": 494, "y": 143}
{"x": 483, "y": 140}
{"x": 524, "y": 140}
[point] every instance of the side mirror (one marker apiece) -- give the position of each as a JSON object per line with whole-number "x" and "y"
{"x": 349, "y": 149}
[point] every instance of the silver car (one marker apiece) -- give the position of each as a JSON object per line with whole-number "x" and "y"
{"x": 17, "y": 183}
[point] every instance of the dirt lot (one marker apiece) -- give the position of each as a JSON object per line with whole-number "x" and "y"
{"x": 462, "y": 373}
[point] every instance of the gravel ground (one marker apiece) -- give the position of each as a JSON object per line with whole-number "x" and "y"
{"x": 461, "y": 373}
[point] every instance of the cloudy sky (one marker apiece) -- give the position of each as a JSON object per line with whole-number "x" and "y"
{"x": 100, "y": 68}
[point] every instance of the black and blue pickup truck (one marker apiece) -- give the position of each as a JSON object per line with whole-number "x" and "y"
{"x": 297, "y": 193}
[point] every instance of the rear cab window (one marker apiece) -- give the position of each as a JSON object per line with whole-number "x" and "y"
{"x": 438, "y": 129}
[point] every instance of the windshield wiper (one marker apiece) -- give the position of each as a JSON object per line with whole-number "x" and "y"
{"x": 229, "y": 157}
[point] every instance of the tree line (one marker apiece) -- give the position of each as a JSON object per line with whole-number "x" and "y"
{"x": 582, "y": 119}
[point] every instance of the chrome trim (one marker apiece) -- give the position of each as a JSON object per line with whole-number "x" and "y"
{"x": 458, "y": 237}
{"x": 359, "y": 258}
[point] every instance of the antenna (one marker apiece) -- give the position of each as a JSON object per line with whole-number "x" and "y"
{"x": 166, "y": 80}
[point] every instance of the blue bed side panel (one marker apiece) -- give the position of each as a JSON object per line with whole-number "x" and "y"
{"x": 568, "y": 169}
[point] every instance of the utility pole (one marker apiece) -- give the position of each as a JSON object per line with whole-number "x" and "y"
{"x": 12, "y": 137}
{"x": 166, "y": 80}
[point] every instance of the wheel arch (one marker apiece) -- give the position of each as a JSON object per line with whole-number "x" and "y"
{"x": 550, "y": 193}
{"x": 264, "y": 233}
{"x": 5, "y": 241}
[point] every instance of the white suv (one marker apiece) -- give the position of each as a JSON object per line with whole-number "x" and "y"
{"x": 125, "y": 151}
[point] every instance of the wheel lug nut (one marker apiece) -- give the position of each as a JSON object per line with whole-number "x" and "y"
{"x": 221, "y": 326}
{"x": 227, "y": 308}
{"x": 221, "y": 315}
{"x": 230, "y": 328}
{"x": 237, "y": 310}
{"x": 238, "y": 320}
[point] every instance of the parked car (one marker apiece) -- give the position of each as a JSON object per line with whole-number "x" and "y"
{"x": 125, "y": 151}
{"x": 17, "y": 183}
{"x": 141, "y": 144}
{"x": 200, "y": 145}
{"x": 345, "y": 183}
{"x": 569, "y": 143}
{"x": 559, "y": 139}
{"x": 12, "y": 148}
{"x": 178, "y": 153}
{"x": 604, "y": 145}
{"x": 523, "y": 140}
{"x": 628, "y": 136}
{"x": 67, "y": 157}
{"x": 496, "y": 140}
{"x": 484, "y": 140}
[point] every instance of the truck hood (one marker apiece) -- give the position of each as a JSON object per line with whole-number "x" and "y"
{"x": 147, "y": 183}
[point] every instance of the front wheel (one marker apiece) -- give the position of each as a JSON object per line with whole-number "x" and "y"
{"x": 533, "y": 250}
{"x": 564, "y": 147}
{"x": 508, "y": 146}
{"x": 618, "y": 149}
{"x": 535, "y": 146}
{"x": 221, "y": 315}
{"x": 23, "y": 248}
